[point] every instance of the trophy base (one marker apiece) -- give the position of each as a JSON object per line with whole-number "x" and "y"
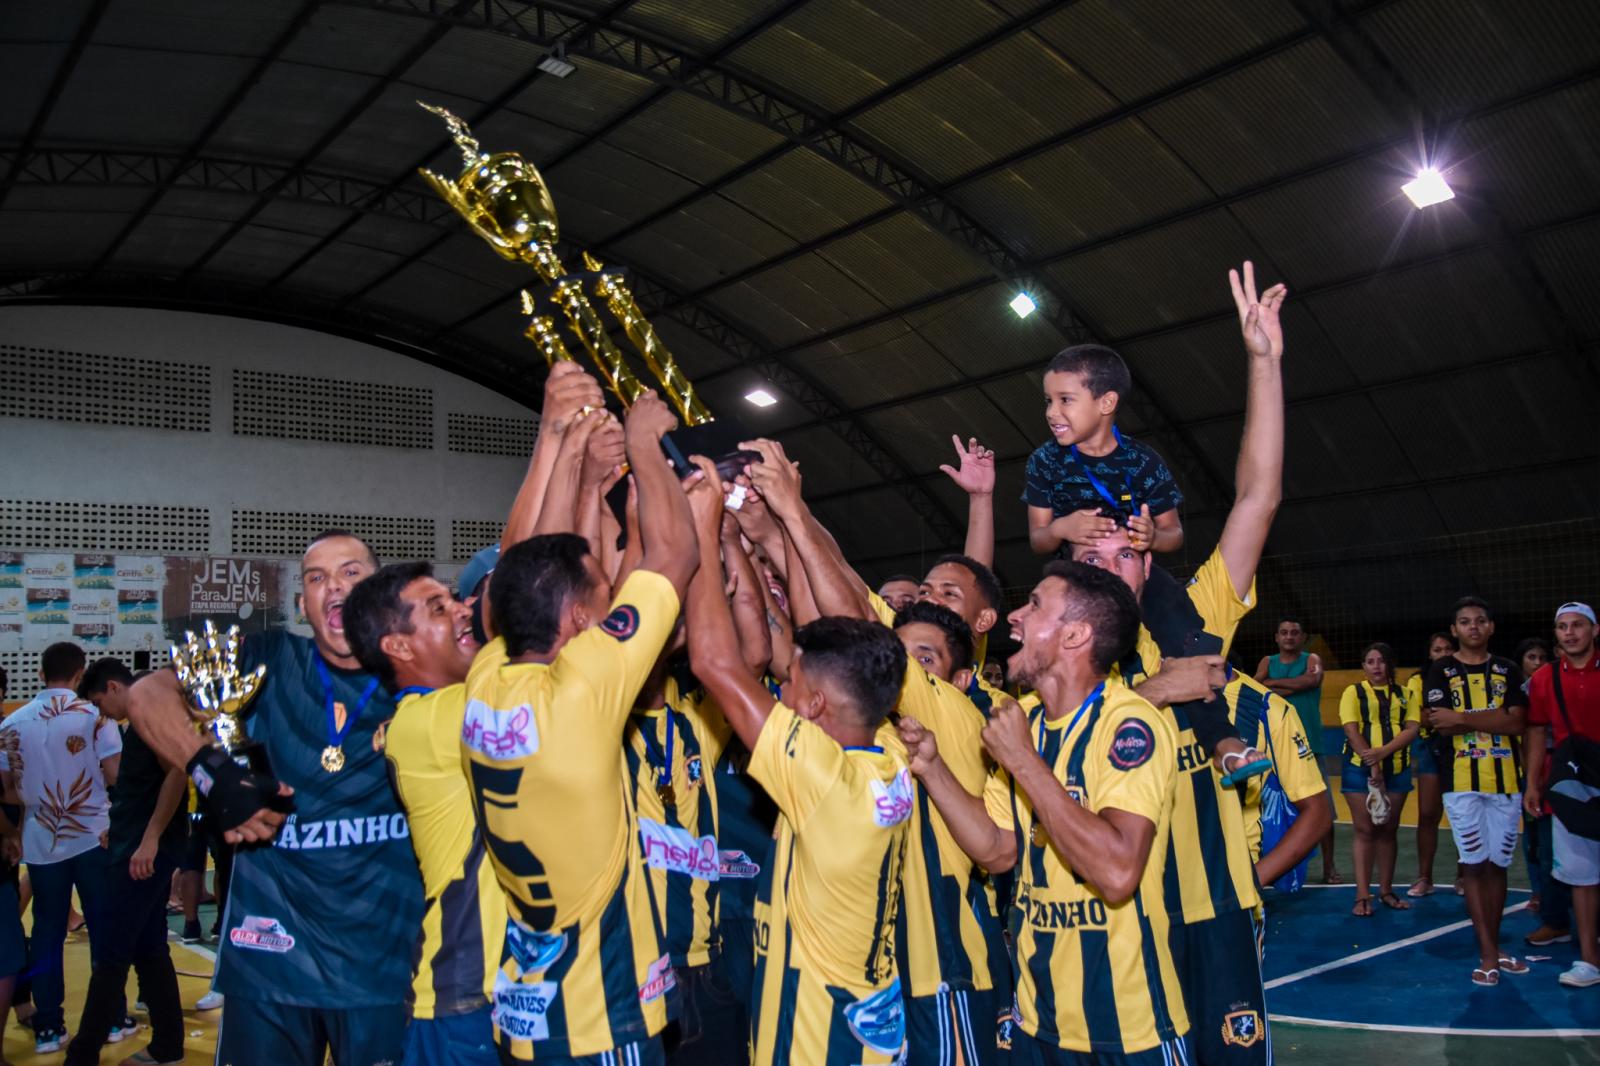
{"x": 718, "y": 441}
{"x": 251, "y": 756}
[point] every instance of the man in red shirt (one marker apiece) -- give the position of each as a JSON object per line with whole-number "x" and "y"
{"x": 1577, "y": 859}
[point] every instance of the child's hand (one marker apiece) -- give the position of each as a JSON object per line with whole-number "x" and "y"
{"x": 1084, "y": 527}
{"x": 1142, "y": 529}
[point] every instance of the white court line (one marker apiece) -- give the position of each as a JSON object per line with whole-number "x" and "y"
{"x": 1382, "y": 949}
{"x": 203, "y": 952}
{"x": 1323, "y": 1023}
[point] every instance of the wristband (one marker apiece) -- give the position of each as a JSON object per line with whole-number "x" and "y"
{"x": 234, "y": 793}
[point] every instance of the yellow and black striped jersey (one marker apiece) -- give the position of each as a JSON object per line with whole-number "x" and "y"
{"x": 948, "y": 920}
{"x": 1380, "y": 715}
{"x": 1093, "y": 976}
{"x": 584, "y": 969}
{"x": 1482, "y": 762}
{"x": 464, "y": 917}
{"x": 1208, "y": 869}
{"x": 827, "y": 987}
{"x": 1413, "y": 690}
{"x": 672, "y": 752}
{"x": 1281, "y": 736}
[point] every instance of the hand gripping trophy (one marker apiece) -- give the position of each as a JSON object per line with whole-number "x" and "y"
{"x": 208, "y": 672}
{"x": 506, "y": 202}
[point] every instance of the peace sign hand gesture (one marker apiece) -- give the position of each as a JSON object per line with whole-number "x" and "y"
{"x": 1258, "y": 317}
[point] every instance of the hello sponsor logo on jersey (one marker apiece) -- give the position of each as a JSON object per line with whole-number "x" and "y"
{"x": 341, "y": 832}
{"x": 676, "y": 850}
{"x": 500, "y": 735}
{"x": 522, "y": 1011}
{"x": 892, "y": 800}
{"x": 262, "y": 934}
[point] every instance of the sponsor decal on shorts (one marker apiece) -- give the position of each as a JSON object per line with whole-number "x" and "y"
{"x": 879, "y": 1020}
{"x": 262, "y": 934}
{"x": 1241, "y": 1027}
{"x": 659, "y": 980}
{"x": 521, "y": 1011}
{"x": 892, "y": 800}
{"x": 676, "y": 850}
{"x": 202, "y": 780}
{"x": 533, "y": 952}
{"x": 1132, "y": 744}
{"x": 500, "y": 735}
{"x": 622, "y": 623}
{"x": 737, "y": 866}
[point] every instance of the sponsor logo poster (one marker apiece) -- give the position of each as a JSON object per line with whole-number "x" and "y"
{"x": 10, "y": 570}
{"x": 223, "y": 589}
{"x": 139, "y": 607}
{"x": 93, "y": 572}
{"x": 49, "y": 605}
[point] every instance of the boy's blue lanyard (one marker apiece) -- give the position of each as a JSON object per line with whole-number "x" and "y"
{"x": 661, "y": 761}
{"x": 411, "y": 690}
{"x": 1094, "y": 482}
{"x": 333, "y": 754}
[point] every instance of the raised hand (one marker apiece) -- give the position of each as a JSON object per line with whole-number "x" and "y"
{"x": 1006, "y": 736}
{"x": 705, "y": 500}
{"x": 1258, "y": 317}
{"x": 1142, "y": 529}
{"x": 777, "y": 478}
{"x": 606, "y": 452}
{"x": 567, "y": 391}
{"x": 920, "y": 744}
{"x": 976, "y": 472}
{"x": 1085, "y": 527}
{"x": 649, "y": 419}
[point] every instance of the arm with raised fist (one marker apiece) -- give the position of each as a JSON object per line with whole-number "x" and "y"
{"x": 568, "y": 391}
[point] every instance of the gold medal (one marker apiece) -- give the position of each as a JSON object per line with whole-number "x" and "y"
{"x": 668, "y": 794}
{"x": 333, "y": 758}
{"x": 1036, "y": 835}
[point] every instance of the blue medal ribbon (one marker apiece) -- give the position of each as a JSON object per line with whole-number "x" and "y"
{"x": 411, "y": 690}
{"x": 337, "y": 735}
{"x": 1094, "y": 482}
{"x": 1099, "y": 690}
{"x": 659, "y": 760}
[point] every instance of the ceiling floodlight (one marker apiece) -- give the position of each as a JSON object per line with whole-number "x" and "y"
{"x": 556, "y": 62}
{"x": 761, "y": 397}
{"x": 1428, "y": 188}
{"x": 1023, "y": 305}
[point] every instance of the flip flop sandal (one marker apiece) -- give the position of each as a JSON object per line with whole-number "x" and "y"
{"x": 1363, "y": 907}
{"x": 1511, "y": 965}
{"x": 1393, "y": 902}
{"x": 1486, "y": 978}
{"x": 1416, "y": 891}
{"x": 1243, "y": 770}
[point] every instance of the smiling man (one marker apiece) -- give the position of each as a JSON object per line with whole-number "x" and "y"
{"x": 314, "y": 954}
{"x": 406, "y": 628}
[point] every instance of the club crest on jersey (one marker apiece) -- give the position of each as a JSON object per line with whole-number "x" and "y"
{"x": 879, "y": 1020}
{"x": 622, "y": 622}
{"x": 891, "y": 801}
{"x": 533, "y": 952}
{"x": 693, "y": 770}
{"x": 660, "y": 980}
{"x": 1241, "y": 1027}
{"x": 1131, "y": 745}
{"x": 1301, "y": 747}
{"x": 262, "y": 934}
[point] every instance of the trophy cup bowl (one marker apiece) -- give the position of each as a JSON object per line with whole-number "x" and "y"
{"x": 207, "y": 666}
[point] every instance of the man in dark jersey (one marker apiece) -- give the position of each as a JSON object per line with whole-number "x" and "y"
{"x": 316, "y": 947}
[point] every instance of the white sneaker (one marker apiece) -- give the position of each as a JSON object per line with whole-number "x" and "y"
{"x": 209, "y": 1001}
{"x": 120, "y": 1031}
{"x": 1581, "y": 975}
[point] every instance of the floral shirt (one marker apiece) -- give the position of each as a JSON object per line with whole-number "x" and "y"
{"x": 52, "y": 748}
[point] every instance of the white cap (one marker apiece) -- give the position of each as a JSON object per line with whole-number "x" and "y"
{"x": 1576, "y": 608}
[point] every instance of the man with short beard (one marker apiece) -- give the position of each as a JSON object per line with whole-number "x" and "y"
{"x": 314, "y": 954}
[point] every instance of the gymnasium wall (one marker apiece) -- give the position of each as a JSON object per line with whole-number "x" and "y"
{"x": 181, "y": 437}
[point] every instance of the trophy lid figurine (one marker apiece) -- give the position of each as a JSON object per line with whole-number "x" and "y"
{"x": 207, "y": 666}
{"x": 505, "y": 200}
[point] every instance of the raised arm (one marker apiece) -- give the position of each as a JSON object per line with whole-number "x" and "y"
{"x": 985, "y": 843}
{"x": 603, "y": 461}
{"x": 975, "y": 475}
{"x": 665, "y": 527}
{"x": 1258, "y": 477}
{"x": 714, "y": 653}
{"x": 558, "y": 511}
{"x": 567, "y": 391}
{"x": 747, "y": 602}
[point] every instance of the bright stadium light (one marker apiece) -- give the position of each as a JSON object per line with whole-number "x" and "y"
{"x": 761, "y": 397}
{"x": 1428, "y": 188}
{"x": 556, "y": 62}
{"x": 1023, "y": 305}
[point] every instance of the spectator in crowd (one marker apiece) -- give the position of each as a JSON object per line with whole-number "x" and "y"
{"x": 994, "y": 674}
{"x": 1296, "y": 675}
{"x": 1475, "y": 699}
{"x": 1379, "y": 726}
{"x": 1425, "y": 763}
{"x": 1564, "y": 698}
{"x": 146, "y": 838}
{"x": 900, "y": 591}
{"x": 1532, "y": 653}
{"x": 13, "y": 943}
{"x": 61, "y": 755}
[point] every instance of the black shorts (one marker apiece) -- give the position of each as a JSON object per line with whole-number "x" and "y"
{"x": 1028, "y": 1051}
{"x": 952, "y": 1026}
{"x": 1219, "y": 968}
{"x": 251, "y": 1033}
{"x": 201, "y": 840}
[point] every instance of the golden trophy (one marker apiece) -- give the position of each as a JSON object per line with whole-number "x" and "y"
{"x": 506, "y": 202}
{"x": 208, "y": 672}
